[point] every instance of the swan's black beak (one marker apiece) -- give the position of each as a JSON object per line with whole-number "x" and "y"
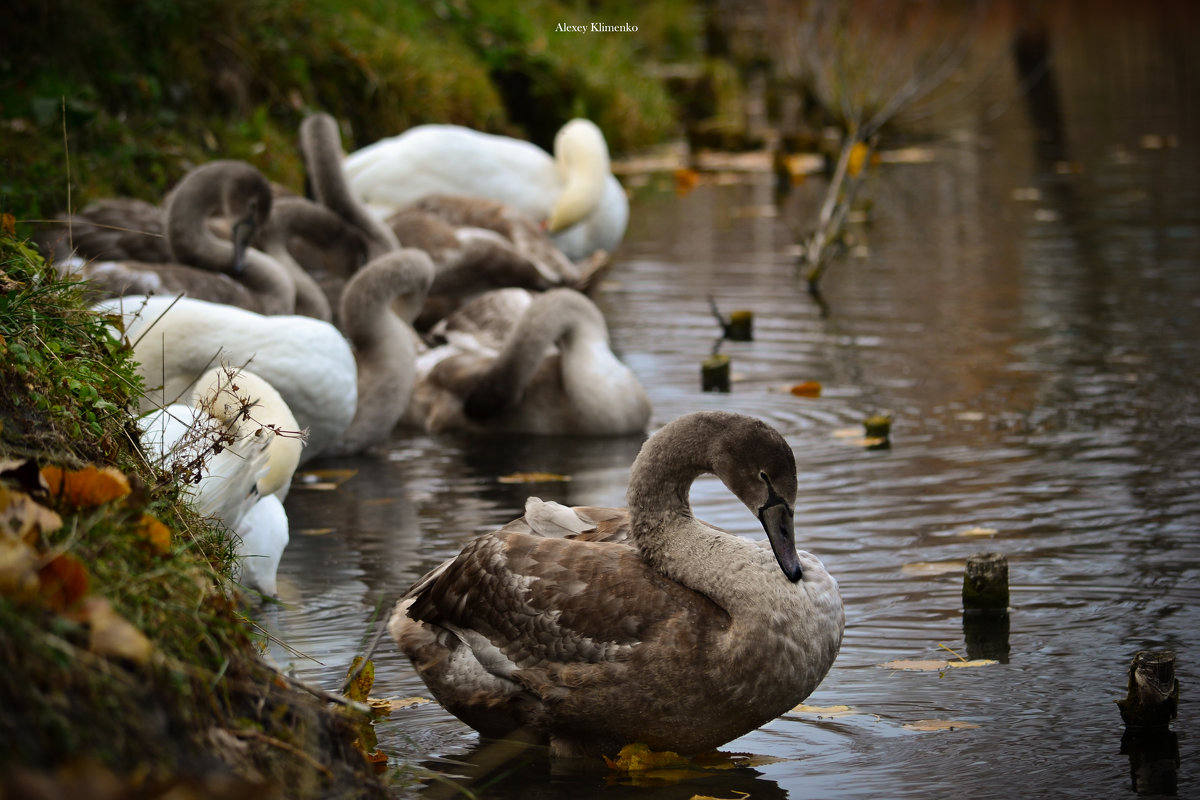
{"x": 243, "y": 231}
{"x": 776, "y": 519}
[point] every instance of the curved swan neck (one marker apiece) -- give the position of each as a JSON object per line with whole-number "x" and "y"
{"x": 366, "y": 311}
{"x": 559, "y": 315}
{"x": 581, "y": 156}
{"x": 231, "y": 187}
{"x": 321, "y": 145}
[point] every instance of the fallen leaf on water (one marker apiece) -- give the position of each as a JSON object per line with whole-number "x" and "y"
{"x": 806, "y": 389}
{"x": 533, "y": 477}
{"x": 87, "y": 487}
{"x": 824, "y": 711}
{"x": 360, "y": 687}
{"x": 847, "y": 433}
{"x": 23, "y": 518}
{"x": 978, "y": 531}
{"x": 935, "y": 664}
{"x": 932, "y": 568}
{"x": 154, "y": 532}
{"x": 63, "y": 582}
{"x": 112, "y": 634}
{"x": 740, "y": 796}
{"x": 638, "y": 757}
{"x": 378, "y": 760}
{"x": 322, "y": 479}
{"x": 938, "y": 725}
{"x": 315, "y": 531}
{"x": 384, "y": 706}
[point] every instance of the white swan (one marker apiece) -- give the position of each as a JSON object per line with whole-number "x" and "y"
{"x": 308, "y": 361}
{"x": 475, "y": 244}
{"x": 573, "y": 192}
{"x": 237, "y": 447}
{"x": 646, "y": 626}
{"x": 528, "y": 363}
{"x": 378, "y": 307}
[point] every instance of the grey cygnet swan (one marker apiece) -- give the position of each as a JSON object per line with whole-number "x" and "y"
{"x": 476, "y": 244}
{"x": 110, "y": 229}
{"x": 199, "y": 263}
{"x": 610, "y": 627}
{"x": 547, "y": 369}
{"x": 376, "y": 314}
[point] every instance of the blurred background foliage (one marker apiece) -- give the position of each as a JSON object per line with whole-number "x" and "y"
{"x": 138, "y": 91}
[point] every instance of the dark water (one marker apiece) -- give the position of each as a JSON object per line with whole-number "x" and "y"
{"x": 1028, "y": 309}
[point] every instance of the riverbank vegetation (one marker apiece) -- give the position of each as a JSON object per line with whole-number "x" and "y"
{"x": 128, "y": 662}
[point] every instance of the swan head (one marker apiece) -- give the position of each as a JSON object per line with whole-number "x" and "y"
{"x": 242, "y": 399}
{"x": 581, "y": 155}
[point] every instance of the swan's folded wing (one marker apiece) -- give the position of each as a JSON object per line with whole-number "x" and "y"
{"x": 544, "y": 601}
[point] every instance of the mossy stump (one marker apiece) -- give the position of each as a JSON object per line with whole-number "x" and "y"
{"x": 714, "y": 373}
{"x": 740, "y": 326}
{"x": 985, "y": 585}
{"x": 1152, "y": 697}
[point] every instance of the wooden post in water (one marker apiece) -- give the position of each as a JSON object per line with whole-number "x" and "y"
{"x": 740, "y": 327}
{"x": 1152, "y": 697}
{"x": 1150, "y": 703}
{"x": 714, "y": 373}
{"x": 985, "y": 584}
{"x": 985, "y": 606}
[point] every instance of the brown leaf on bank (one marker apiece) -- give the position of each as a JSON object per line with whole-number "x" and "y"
{"x": 21, "y": 517}
{"x": 112, "y": 634}
{"x": 154, "y": 532}
{"x": 85, "y": 488}
{"x": 18, "y": 570}
{"x": 63, "y": 582}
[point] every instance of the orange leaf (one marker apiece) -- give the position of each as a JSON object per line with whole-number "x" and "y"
{"x": 157, "y": 534}
{"x": 87, "y": 487}
{"x": 807, "y": 389}
{"x": 378, "y": 760}
{"x": 63, "y": 582}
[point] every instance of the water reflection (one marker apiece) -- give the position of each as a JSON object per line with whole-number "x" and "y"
{"x": 1035, "y": 334}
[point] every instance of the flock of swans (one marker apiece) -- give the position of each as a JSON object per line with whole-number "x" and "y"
{"x": 435, "y": 280}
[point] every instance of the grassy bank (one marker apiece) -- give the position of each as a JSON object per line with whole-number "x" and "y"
{"x": 139, "y": 91}
{"x": 126, "y": 661}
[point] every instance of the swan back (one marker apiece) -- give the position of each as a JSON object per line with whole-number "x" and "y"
{"x": 309, "y": 362}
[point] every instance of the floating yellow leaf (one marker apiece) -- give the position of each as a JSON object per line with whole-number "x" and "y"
{"x": 154, "y": 532}
{"x": 383, "y": 706}
{"x": 638, "y": 757}
{"x": 932, "y": 568}
{"x": 806, "y": 389}
{"x": 740, "y": 796}
{"x": 978, "y": 531}
{"x": 322, "y": 479}
{"x": 824, "y": 711}
{"x": 935, "y": 664}
{"x": 112, "y": 634}
{"x": 315, "y": 531}
{"x": 685, "y": 180}
{"x": 533, "y": 477}
{"x": 360, "y": 687}
{"x": 87, "y": 487}
{"x": 939, "y": 725}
